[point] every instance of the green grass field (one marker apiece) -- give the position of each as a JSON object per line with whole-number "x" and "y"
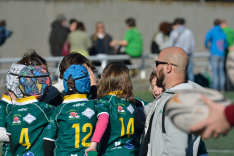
{"x": 223, "y": 146}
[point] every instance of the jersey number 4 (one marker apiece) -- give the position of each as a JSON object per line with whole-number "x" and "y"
{"x": 24, "y": 136}
{"x": 130, "y": 124}
{"x": 77, "y": 134}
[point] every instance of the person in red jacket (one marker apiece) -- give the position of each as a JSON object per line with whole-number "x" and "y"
{"x": 220, "y": 120}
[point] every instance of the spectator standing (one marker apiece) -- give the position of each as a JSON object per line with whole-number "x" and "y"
{"x": 58, "y": 35}
{"x": 4, "y": 33}
{"x": 132, "y": 43}
{"x": 66, "y": 46}
{"x": 216, "y": 42}
{"x": 81, "y": 26}
{"x": 79, "y": 41}
{"x": 160, "y": 39}
{"x": 73, "y": 24}
{"x": 229, "y": 32}
{"x": 183, "y": 37}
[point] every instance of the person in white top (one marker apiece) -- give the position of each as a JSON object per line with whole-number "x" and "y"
{"x": 183, "y": 37}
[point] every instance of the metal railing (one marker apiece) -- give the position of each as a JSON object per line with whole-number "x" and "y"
{"x": 104, "y": 60}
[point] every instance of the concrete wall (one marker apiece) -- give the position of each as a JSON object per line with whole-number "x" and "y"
{"x": 30, "y": 20}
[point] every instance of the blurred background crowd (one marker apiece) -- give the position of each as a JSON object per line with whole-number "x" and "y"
{"x": 112, "y": 29}
{"x": 218, "y": 40}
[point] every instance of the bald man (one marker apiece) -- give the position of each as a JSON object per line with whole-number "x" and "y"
{"x": 161, "y": 137}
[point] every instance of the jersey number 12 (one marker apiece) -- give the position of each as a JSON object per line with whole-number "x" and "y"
{"x": 77, "y": 134}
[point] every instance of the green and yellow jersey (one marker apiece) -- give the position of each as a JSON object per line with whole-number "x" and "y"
{"x": 72, "y": 125}
{"x": 5, "y": 107}
{"x": 26, "y": 123}
{"x": 118, "y": 138}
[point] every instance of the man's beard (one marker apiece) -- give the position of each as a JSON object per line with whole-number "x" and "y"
{"x": 160, "y": 79}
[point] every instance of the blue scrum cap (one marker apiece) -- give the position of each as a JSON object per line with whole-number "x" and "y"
{"x": 80, "y": 76}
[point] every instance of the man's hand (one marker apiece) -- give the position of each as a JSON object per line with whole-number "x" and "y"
{"x": 215, "y": 124}
{"x": 92, "y": 147}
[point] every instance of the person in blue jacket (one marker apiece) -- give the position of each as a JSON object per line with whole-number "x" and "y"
{"x": 216, "y": 42}
{"x": 4, "y": 33}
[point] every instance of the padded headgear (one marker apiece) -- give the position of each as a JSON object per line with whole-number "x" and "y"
{"x": 12, "y": 79}
{"x": 80, "y": 76}
{"x": 33, "y": 81}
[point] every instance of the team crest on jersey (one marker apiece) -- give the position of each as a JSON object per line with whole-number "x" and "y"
{"x": 29, "y": 118}
{"x": 129, "y": 145}
{"x": 29, "y": 154}
{"x": 73, "y": 115}
{"x": 120, "y": 109}
{"x": 88, "y": 113}
{"x": 130, "y": 109}
{"x": 16, "y": 120}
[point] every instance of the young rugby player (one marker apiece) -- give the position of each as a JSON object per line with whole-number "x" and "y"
{"x": 156, "y": 91}
{"x": 8, "y": 100}
{"x": 72, "y": 123}
{"x": 53, "y": 97}
{"x": 115, "y": 132}
{"x": 28, "y": 117}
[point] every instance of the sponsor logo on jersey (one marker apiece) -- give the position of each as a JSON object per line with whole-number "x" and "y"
{"x": 29, "y": 118}
{"x": 51, "y": 121}
{"x": 29, "y": 154}
{"x": 130, "y": 109}
{"x": 79, "y": 104}
{"x": 129, "y": 145}
{"x": 120, "y": 109}
{"x": 117, "y": 143}
{"x": 73, "y": 115}
{"x": 49, "y": 126}
{"x": 52, "y": 107}
{"x": 73, "y": 154}
{"x": 101, "y": 101}
{"x": 88, "y": 113}
{"x": 101, "y": 104}
{"x": 22, "y": 109}
{"x": 16, "y": 120}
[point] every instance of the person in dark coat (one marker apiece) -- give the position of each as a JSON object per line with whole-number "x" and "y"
{"x": 101, "y": 41}
{"x": 58, "y": 35}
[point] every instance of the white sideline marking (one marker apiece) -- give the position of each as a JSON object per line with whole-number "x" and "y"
{"x": 220, "y": 151}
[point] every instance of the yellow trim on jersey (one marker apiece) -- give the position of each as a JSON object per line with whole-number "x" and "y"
{"x": 6, "y": 98}
{"x": 75, "y": 96}
{"x": 114, "y": 93}
{"x": 27, "y": 100}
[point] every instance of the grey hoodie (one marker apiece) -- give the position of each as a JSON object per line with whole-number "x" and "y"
{"x": 182, "y": 37}
{"x": 174, "y": 142}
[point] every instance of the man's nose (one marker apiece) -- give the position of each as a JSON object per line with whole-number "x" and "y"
{"x": 155, "y": 68}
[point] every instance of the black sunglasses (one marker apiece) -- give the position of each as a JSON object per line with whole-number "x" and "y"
{"x": 159, "y": 62}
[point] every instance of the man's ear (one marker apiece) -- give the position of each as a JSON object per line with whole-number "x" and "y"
{"x": 168, "y": 68}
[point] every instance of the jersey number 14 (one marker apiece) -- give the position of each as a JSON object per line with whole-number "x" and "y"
{"x": 130, "y": 124}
